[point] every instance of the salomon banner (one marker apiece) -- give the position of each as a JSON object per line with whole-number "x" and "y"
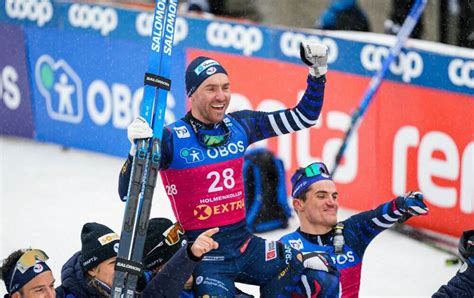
{"x": 86, "y": 63}
{"x": 15, "y": 101}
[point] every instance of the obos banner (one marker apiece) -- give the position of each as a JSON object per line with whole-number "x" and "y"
{"x": 88, "y": 89}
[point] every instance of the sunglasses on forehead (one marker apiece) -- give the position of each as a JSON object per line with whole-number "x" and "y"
{"x": 28, "y": 260}
{"x": 313, "y": 170}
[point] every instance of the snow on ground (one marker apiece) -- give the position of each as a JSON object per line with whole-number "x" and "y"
{"x": 47, "y": 193}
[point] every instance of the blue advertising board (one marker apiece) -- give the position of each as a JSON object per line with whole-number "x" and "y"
{"x": 86, "y": 64}
{"x": 15, "y": 102}
{"x": 87, "y": 89}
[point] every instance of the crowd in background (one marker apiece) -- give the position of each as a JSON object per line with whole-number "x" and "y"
{"x": 445, "y": 21}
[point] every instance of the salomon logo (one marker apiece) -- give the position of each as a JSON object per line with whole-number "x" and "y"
{"x": 39, "y": 11}
{"x": 409, "y": 65}
{"x": 246, "y": 39}
{"x": 61, "y": 87}
{"x": 9, "y": 90}
{"x": 144, "y": 20}
{"x": 103, "y": 19}
{"x": 290, "y": 44}
{"x": 461, "y": 73}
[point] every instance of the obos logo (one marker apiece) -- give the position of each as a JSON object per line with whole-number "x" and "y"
{"x": 223, "y": 151}
{"x": 61, "y": 87}
{"x": 409, "y": 65}
{"x": 39, "y": 11}
{"x": 290, "y": 44}
{"x": 144, "y": 21}
{"x": 246, "y": 39}
{"x": 103, "y": 19}
{"x": 461, "y": 73}
{"x": 9, "y": 90}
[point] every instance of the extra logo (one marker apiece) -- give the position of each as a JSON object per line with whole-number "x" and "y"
{"x": 408, "y": 65}
{"x": 242, "y": 38}
{"x": 144, "y": 21}
{"x": 461, "y": 73}
{"x": 61, "y": 87}
{"x": 203, "y": 211}
{"x": 102, "y": 19}
{"x": 182, "y": 132}
{"x": 39, "y": 11}
{"x": 9, "y": 90}
{"x": 290, "y": 44}
{"x": 191, "y": 155}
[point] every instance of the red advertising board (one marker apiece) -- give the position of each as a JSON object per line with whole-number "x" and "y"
{"x": 411, "y": 138}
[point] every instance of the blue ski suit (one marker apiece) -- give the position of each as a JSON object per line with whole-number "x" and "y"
{"x": 206, "y": 190}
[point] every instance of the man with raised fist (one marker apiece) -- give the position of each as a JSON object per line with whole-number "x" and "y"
{"x": 201, "y": 168}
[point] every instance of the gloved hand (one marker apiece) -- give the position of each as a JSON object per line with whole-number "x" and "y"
{"x": 315, "y": 55}
{"x": 138, "y": 129}
{"x": 319, "y": 261}
{"x": 411, "y": 204}
{"x": 466, "y": 247}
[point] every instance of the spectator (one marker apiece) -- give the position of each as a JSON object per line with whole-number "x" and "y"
{"x": 398, "y": 14}
{"x": 26, "y": 274}
{"x": 90, "y": 272}
{"x": 343, "y": 15}
{"x": 462, "y": 284}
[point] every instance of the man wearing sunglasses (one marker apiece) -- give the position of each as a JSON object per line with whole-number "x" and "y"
{"x": 315, "y": 200}
{"x": 27, "y": 275}
{"x": 201, "y": 168}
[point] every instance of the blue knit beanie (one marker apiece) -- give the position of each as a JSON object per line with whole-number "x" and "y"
{"x": 199, "y": 70}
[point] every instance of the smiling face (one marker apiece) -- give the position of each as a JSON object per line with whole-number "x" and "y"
{"x": 41, "y": 286}
{"x": 318, "y": 211}
{"x": 211, "y": 99}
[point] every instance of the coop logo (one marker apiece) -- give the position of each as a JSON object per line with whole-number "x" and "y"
{"x": 408, "y": 65}
{"x": 290, "y": 44}
{"x": 103, "y": 19}
{"x": 461, "y": 73}
{"x": 245, "y": 39}
{"x": 39, "y": 11}
{"x": 9, "y": 91}
{"x": 61, "y": 88}
{"x": 144, "y": 21}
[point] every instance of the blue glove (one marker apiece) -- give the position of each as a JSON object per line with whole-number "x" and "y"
{"x": 411, "y": 204}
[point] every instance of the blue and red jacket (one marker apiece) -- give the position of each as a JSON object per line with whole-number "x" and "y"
{"x": 359, "y": 230}
{"x": 205, "y": 185}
